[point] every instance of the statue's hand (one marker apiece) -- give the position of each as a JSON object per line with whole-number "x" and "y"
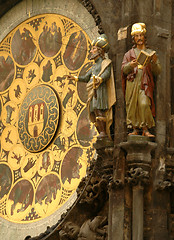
{"x": 134, "y": 63}
{"x": 154, "y": 58}
{"x": 98, "y": 80}
{"x": 70, "y": 77}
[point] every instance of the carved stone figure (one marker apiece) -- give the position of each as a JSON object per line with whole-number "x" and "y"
{"x": 95, "y": 229}
{"x": 69, "y": 232}
{"x": 100, "y": 87}
{"x": 138, "y": 79}
{"x": 91, "y": 229}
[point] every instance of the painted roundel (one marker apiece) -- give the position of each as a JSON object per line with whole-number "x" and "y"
{"x": 7, "y": 71}
{"x": 5, "y": 180}
{"x": 23, "y": 46}
{"x": 45, "y": 133}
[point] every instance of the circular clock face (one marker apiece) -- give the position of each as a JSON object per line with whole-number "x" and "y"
{"x": 46, "y": 136}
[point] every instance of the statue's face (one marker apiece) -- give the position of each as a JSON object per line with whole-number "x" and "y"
{"x": 139, "y": 39}
{"x": 94, "y": 53}
{"x": 70, "y": 231}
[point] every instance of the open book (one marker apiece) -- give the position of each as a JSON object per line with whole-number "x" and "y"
{"x": 144, "y": 57}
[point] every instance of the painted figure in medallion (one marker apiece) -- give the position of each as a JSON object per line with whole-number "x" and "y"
{"x": 100, "y": 87}
{"x": 138, "y": 78}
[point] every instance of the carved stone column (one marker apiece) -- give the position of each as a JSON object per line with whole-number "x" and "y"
{"x": 138, "y": 207}
{"x": 138, "y": 162}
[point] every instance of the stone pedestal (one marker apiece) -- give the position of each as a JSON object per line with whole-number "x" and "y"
{"x": 138, "y": 150}
{"x": 138, "y": 161}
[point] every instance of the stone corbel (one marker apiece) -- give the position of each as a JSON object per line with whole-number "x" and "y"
{"x": 138, "y": 160}
{"x": 104, "y": 162}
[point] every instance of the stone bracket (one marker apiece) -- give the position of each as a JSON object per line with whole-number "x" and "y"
{"x": 138, "y": 159}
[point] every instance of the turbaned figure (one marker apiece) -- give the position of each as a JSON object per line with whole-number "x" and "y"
{"x": 140, "y": 67}
{"x": 100, "y": 87}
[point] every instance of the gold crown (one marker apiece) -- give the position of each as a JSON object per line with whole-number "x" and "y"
{"x": 138, "y": 28}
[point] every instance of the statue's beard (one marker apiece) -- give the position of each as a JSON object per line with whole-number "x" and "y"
{"x": 140, "y": 42}
{"x": 93, "y": 56}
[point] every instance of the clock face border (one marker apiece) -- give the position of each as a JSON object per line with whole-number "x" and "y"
{"x": 38, "y": 54}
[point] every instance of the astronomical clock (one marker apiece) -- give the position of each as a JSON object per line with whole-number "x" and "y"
{"x": 46, "y": 138}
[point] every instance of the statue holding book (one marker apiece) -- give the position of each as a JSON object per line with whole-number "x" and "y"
{"x": 140, "y": 67}
{"x": 100, "y": 87}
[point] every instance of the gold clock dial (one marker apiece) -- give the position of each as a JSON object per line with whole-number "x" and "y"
{"x": 46, "y": 136}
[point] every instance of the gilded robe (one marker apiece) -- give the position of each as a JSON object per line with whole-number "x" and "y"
{"x": 138, "y": 88}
